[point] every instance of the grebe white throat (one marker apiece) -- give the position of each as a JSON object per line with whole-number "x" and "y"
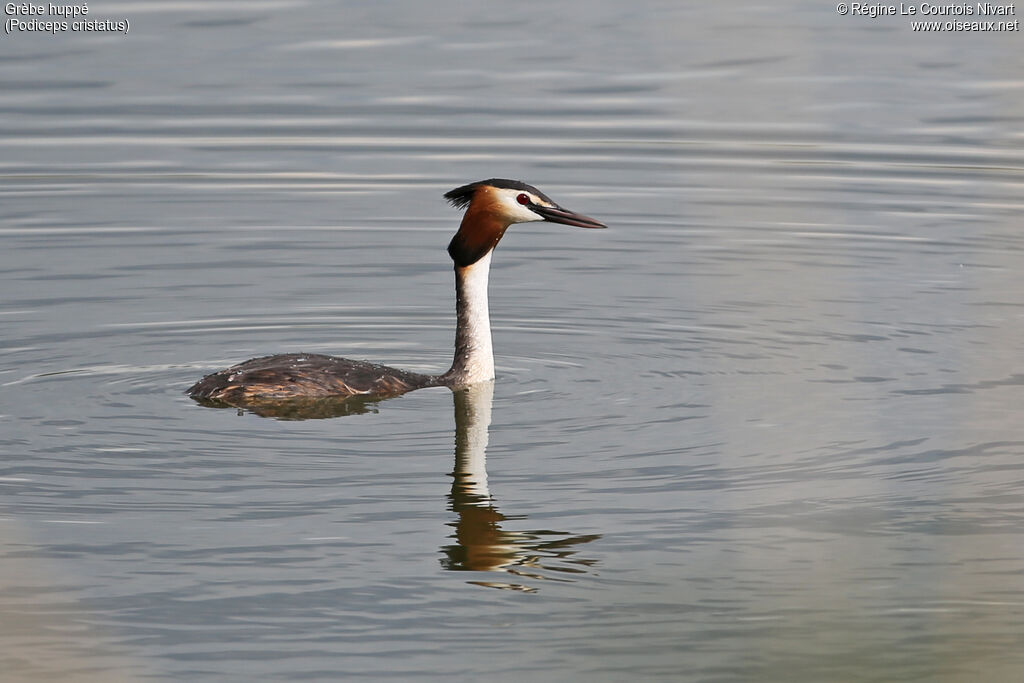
{"x": 474, "y": 353}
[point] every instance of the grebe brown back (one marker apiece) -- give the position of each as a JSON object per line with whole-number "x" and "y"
{"x": 491, "y": 207}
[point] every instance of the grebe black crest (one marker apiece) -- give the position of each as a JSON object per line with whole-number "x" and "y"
{"x": 491, "y": 206}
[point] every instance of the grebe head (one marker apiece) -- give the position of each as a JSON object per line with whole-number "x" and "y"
{"x": 492, "y": 206}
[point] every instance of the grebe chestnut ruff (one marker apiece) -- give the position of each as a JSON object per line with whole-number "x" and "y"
{"x": 491, "y": 207}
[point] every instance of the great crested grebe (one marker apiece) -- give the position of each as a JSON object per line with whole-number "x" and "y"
{"x": 491, "y": 207}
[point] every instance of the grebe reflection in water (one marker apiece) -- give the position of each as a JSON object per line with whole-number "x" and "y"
{"x": 481, "y": 543}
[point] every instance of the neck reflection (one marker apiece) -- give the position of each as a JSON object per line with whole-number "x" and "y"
{"x": 481, "y": 544}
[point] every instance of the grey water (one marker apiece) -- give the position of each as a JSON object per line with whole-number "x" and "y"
{"x": 767, "y": 426}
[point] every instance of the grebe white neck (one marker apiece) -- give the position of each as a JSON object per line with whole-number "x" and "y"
{"x": 474, "y": 355}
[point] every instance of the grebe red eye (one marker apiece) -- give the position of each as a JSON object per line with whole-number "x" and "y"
{"x": 523, "y": 199}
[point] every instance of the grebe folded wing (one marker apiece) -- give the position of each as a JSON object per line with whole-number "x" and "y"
{"x": 306, "y": 375}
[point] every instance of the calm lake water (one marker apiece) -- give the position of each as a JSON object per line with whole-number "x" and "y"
{"x": 765, "y": 427}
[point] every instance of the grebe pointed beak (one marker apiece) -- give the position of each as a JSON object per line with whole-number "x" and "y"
{"x": 556, "y": 214}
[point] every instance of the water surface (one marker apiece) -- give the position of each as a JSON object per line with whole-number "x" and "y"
{"x": 765, "y": 427}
